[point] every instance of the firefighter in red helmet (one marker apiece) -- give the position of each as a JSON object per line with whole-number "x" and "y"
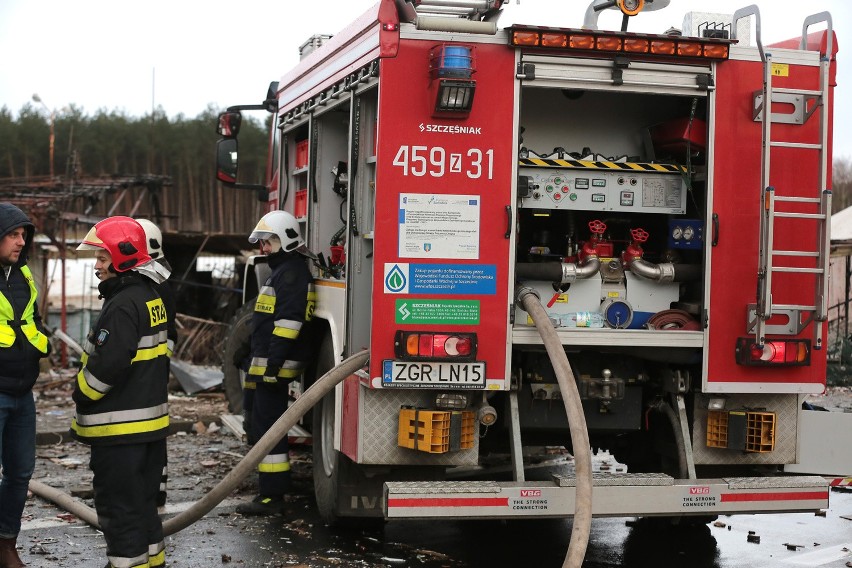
{"x": 121, "y": 393}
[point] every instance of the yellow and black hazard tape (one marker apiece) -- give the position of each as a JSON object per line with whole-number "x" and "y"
{"x": 630, "y": 166}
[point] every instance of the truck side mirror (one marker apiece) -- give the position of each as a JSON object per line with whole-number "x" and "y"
{"x": 229, "y": 124}
{"x": 226, "y": 160}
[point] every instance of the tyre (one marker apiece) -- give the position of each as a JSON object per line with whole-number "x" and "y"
{"x": 236, "y": 341}
{"x": 326, "y": 459}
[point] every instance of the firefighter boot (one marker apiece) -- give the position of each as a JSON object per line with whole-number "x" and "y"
{"x": 9, "y": 554}
{"x": 261, "y": 505}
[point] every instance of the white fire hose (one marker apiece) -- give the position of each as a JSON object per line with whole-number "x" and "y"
{"x": 582, "y": 522}
{"x": 248, "y": 464}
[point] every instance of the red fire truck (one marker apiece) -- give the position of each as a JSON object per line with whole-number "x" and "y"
{"x": 666, "y": 197}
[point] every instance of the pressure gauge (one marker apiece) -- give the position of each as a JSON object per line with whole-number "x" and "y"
{"x": 677, "y": 232}
{"x": 688, "y": 233}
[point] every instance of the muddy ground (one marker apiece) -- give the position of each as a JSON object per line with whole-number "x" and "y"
{"x": 201, "y": 453}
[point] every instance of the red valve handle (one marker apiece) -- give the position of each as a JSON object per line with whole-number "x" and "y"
{"x": 639, "y": 235}
{"x": 598, "y": 227}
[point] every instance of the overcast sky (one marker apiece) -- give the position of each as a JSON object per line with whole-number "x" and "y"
{"x": 186, "y": 55}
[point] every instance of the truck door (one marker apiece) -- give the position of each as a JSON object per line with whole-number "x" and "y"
{"x": 790, "y": 358}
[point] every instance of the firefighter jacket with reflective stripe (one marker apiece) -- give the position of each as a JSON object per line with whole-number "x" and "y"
{"x": 121, "y": 390}
{"x": 22, "y": 338}
{"x": 279, "y": 344}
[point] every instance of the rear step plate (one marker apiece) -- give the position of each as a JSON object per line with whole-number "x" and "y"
{"x": 613, "y": 495}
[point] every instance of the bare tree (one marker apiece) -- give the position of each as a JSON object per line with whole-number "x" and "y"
{"x": 842, "y": 184}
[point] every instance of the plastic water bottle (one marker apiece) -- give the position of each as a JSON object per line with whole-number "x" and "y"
{"x": 582, "y": 319}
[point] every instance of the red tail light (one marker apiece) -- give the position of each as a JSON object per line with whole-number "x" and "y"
{"x": 775, "y": 352}
{"x": 413, "y": 345}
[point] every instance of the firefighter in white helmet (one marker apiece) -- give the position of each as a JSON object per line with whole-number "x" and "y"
{"x": 280, "y": 348}
{"x": 154, "y": 241}
{"x": 121, "y": 393}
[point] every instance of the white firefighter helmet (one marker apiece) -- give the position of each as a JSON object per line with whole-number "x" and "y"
{"x": 283, "y": 225}
{"x": 153, "y": 238}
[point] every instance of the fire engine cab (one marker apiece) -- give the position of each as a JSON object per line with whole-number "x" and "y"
{"x": 664, "y": 197}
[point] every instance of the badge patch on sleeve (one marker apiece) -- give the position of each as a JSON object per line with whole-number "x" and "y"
{"x": 102, "y": 336}
{"x": 157, "y": 311}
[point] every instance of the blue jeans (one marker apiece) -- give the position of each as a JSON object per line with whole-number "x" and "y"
{"x": 17, "y": 458}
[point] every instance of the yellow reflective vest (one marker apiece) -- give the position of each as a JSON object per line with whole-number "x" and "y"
{"x": 8, "y": 323}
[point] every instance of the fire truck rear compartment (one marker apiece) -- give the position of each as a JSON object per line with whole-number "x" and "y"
{"x": 609, "y": 169}
{"x": 603, "y": 173}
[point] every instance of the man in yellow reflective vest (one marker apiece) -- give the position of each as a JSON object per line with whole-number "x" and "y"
{"x": 121, "y": 394}
{"x": 22, "y": 343}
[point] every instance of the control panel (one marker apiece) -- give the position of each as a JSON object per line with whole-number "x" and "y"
{"x": 602, "y": 190}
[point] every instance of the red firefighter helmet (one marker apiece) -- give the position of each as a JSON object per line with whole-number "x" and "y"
{"x": 123, "y": 238}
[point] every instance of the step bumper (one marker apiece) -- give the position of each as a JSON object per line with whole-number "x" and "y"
{"x": 612, "y": 495}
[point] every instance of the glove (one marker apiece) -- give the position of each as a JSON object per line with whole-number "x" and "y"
{"x": 241, "y": 353}
{"x": 271, "y": 373}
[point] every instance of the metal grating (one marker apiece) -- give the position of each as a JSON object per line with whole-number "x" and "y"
{"x": 378, "y": 433}
{"x": 786, "y": 408}
{"x": 775, "y": 482}
{"x": 420, "y": 487}
{"x": 618, "y": 479}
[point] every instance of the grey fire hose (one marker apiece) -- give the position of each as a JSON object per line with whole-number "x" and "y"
{"x": 248, "y": 464}
{"x": 664, "y": 408}
{"x": 581, "y": 526}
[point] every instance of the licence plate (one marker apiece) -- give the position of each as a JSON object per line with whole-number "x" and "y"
{"x": 433, "y": 375}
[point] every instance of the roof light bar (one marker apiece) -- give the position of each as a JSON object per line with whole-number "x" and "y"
{"x": 618, "y": 42}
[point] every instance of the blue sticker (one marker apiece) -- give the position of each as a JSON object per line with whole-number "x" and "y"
{"x": 473, "y": 279}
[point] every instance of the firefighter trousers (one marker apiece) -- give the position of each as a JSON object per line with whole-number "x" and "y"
{"x": 126, "y": 482}
{"x": 273, "y": 473}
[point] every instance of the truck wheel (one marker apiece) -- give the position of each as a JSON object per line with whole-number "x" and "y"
{"x": 236, "y": 339}
{"x": 325, "y": 457}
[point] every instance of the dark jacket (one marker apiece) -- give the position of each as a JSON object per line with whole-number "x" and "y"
{"x": 122, "y": 389}
{"x": 165, "y": 291}
{"x": 19, "y": 365}
{"x": 280, "y": 344}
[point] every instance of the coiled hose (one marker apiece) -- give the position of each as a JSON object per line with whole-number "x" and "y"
{"x": 248, "y": 464}
{"x": 581, "y": 526}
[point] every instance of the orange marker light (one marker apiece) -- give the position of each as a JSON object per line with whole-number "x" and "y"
{"x": 411, "y": 344}
{"x": 581, "y": 41}
{"x": 554, "y": 40}
{"x": 662, "y": 47}
{"x": 634, "y": 45}
{"x": 716, "y": 51}
{"x": 525, "y": 38}
{"x": 689, "y": 49}
{"x": 608, "y": 43}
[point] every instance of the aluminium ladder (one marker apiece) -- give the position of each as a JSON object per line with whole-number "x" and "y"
{"x": 772, "y": 201}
